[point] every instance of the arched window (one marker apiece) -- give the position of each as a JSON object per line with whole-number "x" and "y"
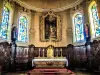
{"x": 5, "y": 23}
{"x": 94, "y": 19}
{"x": 22, "y": 30}
{"x": 78, "y": 27}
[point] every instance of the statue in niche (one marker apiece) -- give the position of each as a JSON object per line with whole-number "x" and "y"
{"x": 50, "y": 27}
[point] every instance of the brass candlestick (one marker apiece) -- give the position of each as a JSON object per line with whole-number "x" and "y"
{"x": 61, "y": 52}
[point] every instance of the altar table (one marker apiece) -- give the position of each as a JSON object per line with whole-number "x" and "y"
{"x": 50, "y": 62}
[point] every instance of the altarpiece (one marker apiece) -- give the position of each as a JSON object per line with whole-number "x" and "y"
{"x": 50, "y": 27}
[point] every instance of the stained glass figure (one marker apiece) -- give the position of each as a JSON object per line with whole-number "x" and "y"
{"x": 79, "y": 28}
{"x": 22, "y": 30}
{"x": 95, "y": 20}
{"x": 5, "y": 23}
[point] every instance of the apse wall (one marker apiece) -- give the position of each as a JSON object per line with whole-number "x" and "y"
{"x": 34, "y": 37}
{"x": 34, "y": 24}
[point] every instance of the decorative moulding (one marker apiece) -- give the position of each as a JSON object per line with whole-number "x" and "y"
{"x": 32, "y": 31}
{"x": 69, "y": 31}
{"x": 45, "y": 10}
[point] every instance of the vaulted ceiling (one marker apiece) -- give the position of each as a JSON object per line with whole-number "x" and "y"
{"x": 43, "y": 5}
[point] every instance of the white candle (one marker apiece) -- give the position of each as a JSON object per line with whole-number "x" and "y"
{"x": 39, "y": 52}
{"x": 57, "y": 51}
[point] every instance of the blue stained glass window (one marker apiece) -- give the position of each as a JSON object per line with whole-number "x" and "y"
{"x": 95, "y": 19}
{"x": 5, "y": 23}
{"x": 22, "y": 31}
{"x": 79, "y": 28}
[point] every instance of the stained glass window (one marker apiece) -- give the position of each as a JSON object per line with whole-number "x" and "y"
{"x": 5, "y": 23}
{"x": 79, "y": 28}
{"x": 22, "y": 31}
{"x": 94, "y": 19}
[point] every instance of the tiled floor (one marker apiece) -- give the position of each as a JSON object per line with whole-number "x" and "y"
{"x": 15, "y": 73}
{"x": 85, "y": 73}
{"x": 78, "y": 73}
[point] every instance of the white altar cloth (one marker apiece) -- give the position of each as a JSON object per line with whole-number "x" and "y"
{"x": 64, "y": 60}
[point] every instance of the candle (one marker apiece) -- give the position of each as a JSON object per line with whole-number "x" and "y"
{"x": 43, "y": 52}
{"x": 39, "y": 52}
{"x": 57, "y": 51}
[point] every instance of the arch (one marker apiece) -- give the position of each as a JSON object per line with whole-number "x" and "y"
{"x": 22, "y": 29}
{"x": 94, "y": 19}
{"x": 5, "y": 23}
{"x": 78, "y": 27}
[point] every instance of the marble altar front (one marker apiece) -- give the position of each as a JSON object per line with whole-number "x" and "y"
{"x": 50, "y": 62}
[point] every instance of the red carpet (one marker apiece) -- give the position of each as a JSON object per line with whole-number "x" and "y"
{"x": 50, "y": 72}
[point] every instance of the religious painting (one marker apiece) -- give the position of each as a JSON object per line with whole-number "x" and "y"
{"x": 50, "y": 27}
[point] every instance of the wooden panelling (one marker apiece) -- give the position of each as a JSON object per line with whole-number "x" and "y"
{"x": 5, "y": 54}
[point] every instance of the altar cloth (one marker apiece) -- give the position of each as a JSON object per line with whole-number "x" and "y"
{"x": 51, "y": 60}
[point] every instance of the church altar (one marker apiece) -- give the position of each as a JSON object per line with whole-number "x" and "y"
{"x": 50, "y": 62}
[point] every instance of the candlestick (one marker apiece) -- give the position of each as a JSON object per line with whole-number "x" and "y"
{"x": 39, "y": 52}
{"x": 43, "y": 52}
{"x": 57, "y": 52}
{"x": 61, "y": 52}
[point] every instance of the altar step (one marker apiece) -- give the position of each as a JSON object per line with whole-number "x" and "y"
{"x": 49, "y": 68}
{"x": 53, "y": 66}
{"x": 50, "y": 72}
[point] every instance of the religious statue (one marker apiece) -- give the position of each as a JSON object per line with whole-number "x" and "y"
{"x": 14, "y": 45}
{"x": 14, "y": 34}
{"x": 50, "y": 52}
{"x": 87, "y": 33}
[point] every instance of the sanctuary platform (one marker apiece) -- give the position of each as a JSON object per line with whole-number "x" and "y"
{"x": 50, "y": 72}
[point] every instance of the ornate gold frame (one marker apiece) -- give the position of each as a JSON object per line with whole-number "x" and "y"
{"x": 42, "y": 29}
